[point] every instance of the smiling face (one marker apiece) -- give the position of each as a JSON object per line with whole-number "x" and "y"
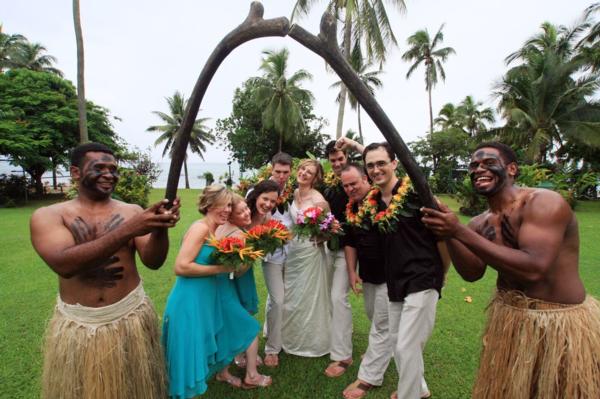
{"x": 240, "y": 215}
{"x": 380, "y": 167}
{"x": 97, "y": 175}
{"x": 338, "y": 160}
{"x": 306, "y": 175}
{"x": 488, "y": 171}
{"x": 281, "y": 173}
{"x": 220, "y": 213}
{"x": 355, "y": 184}
{"x": 265, "y": 202}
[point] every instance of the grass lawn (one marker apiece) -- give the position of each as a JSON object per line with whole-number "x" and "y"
{"x": 28, "y": 291}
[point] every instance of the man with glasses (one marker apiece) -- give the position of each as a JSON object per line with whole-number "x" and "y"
{"x": 413, "y": 269}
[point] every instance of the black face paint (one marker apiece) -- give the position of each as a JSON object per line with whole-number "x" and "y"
{"x": 96, "y": 169}
{"x": 492, "y": 163}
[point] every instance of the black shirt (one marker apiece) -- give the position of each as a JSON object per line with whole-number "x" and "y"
{"x": 337, "y": 199}
{"x": 367, "y": 243}
{"x": 412, "y": 261}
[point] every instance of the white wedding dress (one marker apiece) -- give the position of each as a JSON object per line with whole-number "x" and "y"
{"x": 306, "y": 321}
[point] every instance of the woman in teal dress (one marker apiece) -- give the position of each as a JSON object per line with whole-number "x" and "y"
{"x": 205, "y": 325}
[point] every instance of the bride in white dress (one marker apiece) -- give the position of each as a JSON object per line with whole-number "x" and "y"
{"x": 307, "y": 304}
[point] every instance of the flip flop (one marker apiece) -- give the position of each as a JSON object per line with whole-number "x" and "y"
{"x": 231, "y": 380}
{"x": 343, "y": 366}
{"x": 360, "y": 386}
{"x": 263, "y": 382}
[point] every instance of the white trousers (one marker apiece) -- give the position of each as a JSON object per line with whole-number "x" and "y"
{"x": 411, "y": 324}
{"x": 273, "y": 274}
{"x": 378, "y": 354}
{"x": 341, "y": 311}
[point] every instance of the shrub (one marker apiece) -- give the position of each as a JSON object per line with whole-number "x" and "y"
{"x": 471, "y": 203}
{"x": 12, "y": 190}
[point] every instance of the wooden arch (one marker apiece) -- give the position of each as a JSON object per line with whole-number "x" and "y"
{"x": 325, "y": 45}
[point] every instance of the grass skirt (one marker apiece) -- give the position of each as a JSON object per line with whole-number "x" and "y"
{"x": 108, "y": 352}
{"x": 536, "y": 349}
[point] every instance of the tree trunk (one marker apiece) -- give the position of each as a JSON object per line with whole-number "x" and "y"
{"x": 54, "y": 183}
{"x": 280, "y": 142}
{"x": 185, "y": 171}
{"x": 343, "y": 90}
{"x": 430, "y": 114}
{"x": 83, "y": 131}
{"x": 362, "y": 139}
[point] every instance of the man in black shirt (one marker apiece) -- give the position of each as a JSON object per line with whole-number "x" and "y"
{"x": 362, "y": 243}
{"x": 341, "y": 312}
{"x": 413, "y": 268}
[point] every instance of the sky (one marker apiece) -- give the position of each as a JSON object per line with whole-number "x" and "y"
{"x": 138, "y": 52}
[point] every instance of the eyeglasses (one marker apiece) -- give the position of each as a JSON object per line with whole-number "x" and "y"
{"x": 378, "y": 165}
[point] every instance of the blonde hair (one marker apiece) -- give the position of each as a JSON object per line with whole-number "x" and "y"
{"x": 318, "y": 178}
{"x": 215, "y": 194}
{"x": 236, "y": 199}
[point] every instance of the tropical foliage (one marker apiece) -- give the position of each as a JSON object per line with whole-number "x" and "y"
{"x": 366, "y": 32}
{"x": 425, "y": 50}
{"x": 199, "y": 136}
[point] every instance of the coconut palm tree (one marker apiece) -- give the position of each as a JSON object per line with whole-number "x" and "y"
{"x": 547, "y": 100}
{"x": 10, "y": 47}
{"x": 369, "y": 78}
{"x": 81, "y": 104}
{"x": 424, "y": 50}
{"x": 474, "y": 117}
{"x": 366, "y": 25}
{"x": 449, "y": 117}
{"x": 31, "y": 56}
{"x": 281, "y": 96}
{"x": 199, "y": 137}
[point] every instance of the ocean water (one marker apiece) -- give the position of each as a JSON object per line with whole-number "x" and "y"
{"x": 195, "y": 171}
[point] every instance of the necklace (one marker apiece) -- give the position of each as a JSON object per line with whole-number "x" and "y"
{"x": 387, "y": 220}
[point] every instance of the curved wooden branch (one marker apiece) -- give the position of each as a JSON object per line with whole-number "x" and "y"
{"x": 253, "y": 27}
{"x": 327, "y": 47}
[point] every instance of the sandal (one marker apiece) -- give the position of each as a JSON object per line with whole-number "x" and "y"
{"x": 357, "y": 390}
{"x": 271, "y": 360}
{"x": 232, "y": 380}
{"x": 263, "y": 382}
{"x": 341, "y": 366}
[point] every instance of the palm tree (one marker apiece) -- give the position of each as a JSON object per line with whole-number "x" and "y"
{"x": 425, "y": 50}
{"x": 369, "y": 78}
{"x": 199, "y": 137}
{"x": 474, "y": 116}
{"x": 31, "y": 57}
{"x": 81, "y": 104}
{"x": 547, "y": 99}
{"x": 10, "y": 47}
{"x": 366, "y": 25}
{"x": 280, "y": 96}
{"x": 449, "y": 117}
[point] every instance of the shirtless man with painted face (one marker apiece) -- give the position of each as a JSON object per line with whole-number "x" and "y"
{"x": 543, "y": 334}
{"x": 90, "y": 242}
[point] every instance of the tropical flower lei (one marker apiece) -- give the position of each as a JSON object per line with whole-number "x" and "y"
{"x": 331, "y": 180}
{"x": 361, "y": 217}
{"x": 387, "y": 220}
{"x": 286, "y": 196}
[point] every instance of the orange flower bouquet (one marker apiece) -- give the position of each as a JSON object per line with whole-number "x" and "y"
{"x": 268, "y": 237}
{"x": 234, "y": 252}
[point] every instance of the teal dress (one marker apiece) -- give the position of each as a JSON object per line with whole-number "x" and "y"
{"x": 245, "y": 285}
{"x": 204, "y": 327}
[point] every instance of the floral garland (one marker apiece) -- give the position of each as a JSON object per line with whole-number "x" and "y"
{"x": 387, "y": 220}
{"x": 361, "y": 217}
{"x": 331, "y": 180}
{"x": 285, "y": 198}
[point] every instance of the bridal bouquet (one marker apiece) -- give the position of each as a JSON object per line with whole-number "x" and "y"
{"x": 268, "y": 237}
{"x": 314, "y": 223}
{"x": 234, "y": 251}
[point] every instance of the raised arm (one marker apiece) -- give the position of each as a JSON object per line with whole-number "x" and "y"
{"x": 71, "y": 250}
{"x": 185, "y": 263}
